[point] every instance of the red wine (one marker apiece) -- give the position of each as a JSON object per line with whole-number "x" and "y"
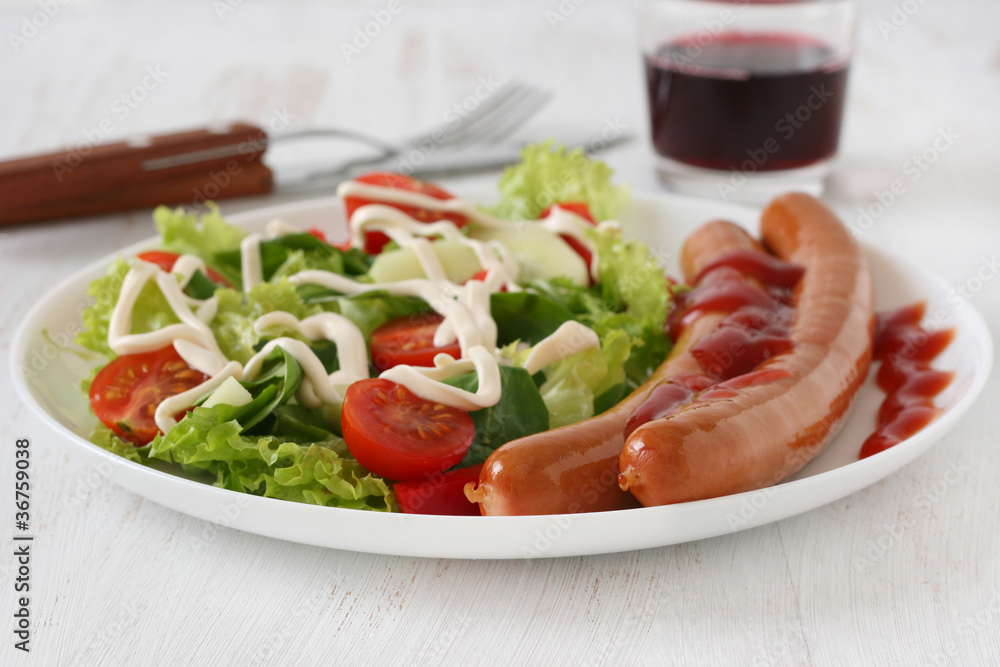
{"x": 758, "y": 102}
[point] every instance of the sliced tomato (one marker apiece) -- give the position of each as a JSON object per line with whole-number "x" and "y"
{"x": 443, "y": 493}
{"x": 375, "y": 241}
{"x": 125, "y": 393}
{"x": 321, "y": 235}
{"x": 482, "y": 275}
{"x": 166, "y": 260}
{"x": 582, "y": 210}
{"x": 409, "y": 340}
{"x": 400, "y": 436}
{"x": 578, "y": 207}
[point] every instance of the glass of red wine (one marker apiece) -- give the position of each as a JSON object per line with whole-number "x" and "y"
{"x": 746, "y": 97}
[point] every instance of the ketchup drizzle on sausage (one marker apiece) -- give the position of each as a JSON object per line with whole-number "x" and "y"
{"x": 906, "y": 350}
{"x": 757, "y": 291}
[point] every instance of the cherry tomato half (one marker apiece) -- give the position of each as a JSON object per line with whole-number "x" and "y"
{"x": 318, "y": 233}
{"x": 409, "y": 340}
{"x": 582, "y": 210}
{"x": 396, "y": 434}
{"x": 443, "y": 493}
{"x": 126, "y": 392}
{"x": 375, "y": 241}
{"x": 166, "y": 260}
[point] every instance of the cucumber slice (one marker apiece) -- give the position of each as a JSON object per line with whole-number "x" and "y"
{"x": 230, "y": 392}
{"x": 458, "y": 259}
{"x": 539, "y": 253}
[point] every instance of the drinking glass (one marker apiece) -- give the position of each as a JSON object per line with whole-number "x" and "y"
{"x": 746, "y": 97}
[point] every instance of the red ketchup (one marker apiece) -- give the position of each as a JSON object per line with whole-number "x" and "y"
{"x": 760, "y": 314}
{"x": 906, "y": 350}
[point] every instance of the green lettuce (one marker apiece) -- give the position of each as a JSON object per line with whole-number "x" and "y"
{"x": 151, "y": 310}
{"x": 368, "y": 310}
{"x": 271, "y": 448}
{"x": 519, "y": 413}
{"x": 321, "y": 473}
{"x": 549, "y": 173}
{"x": 576, "y": 388}
{"x": 187, "y": 233}
{"x": 628, "y": 311}
{"x": 233, "y": 325}
{"x": 635, "y": 287}
{"x": 105, "y": 438}
{"x": 287, "y": 255}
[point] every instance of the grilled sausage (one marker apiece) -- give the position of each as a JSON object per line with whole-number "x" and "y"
{"x": 575, "y": 468}
{"x": 755, "y": 436}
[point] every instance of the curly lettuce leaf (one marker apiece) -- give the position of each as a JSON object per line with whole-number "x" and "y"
{"x": 151, "y": 310}
{"x": 628, "y": 311}
{"x": 320, "y": 473}
{"x": 105, "y": 438}
{"x": 187, "y": 233}
{"x": 233, "y": 325}
{"x": 251, "y": 449}
{"x": 631, "y": 277}
{"x": 574, "y": 387}
{"x": 549, "y": 173}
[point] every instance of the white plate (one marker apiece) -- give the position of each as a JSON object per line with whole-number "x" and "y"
{"x": 48, "y": 380}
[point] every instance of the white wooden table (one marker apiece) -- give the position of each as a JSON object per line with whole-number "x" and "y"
{"x": 116, "y": 579}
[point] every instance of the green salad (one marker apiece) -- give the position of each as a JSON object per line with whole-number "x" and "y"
{"x": 269, "y": 363}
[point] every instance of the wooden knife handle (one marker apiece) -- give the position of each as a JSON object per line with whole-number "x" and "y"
{"x": 180, "y": 168}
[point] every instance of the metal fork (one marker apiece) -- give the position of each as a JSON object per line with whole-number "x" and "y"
{"x": 495, "y": 118}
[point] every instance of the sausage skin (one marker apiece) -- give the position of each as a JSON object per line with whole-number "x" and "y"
{"x": 766, "y": 432}
{"x": 575, "y": 468}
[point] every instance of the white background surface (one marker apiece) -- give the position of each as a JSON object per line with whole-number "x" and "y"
{"x": 904, "y": 572}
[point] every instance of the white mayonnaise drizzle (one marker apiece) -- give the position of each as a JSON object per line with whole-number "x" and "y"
{"x": 559, "y": 220}
{"x": 170, "y": 406}
{"x": 251, "y": 268}
{"x": 570, "y": 338}
{"x": 465, "y": 310}
{"x": 352, "y": 354}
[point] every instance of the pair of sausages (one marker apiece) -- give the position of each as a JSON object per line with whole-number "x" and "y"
{"x": 739, "y": 441}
